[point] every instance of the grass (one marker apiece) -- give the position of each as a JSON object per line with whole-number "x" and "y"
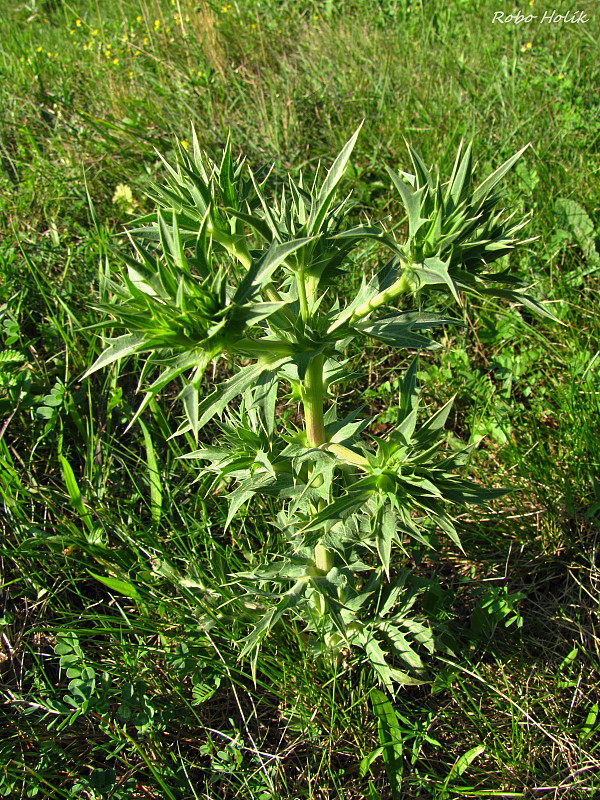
{"x": 113, "y": 683}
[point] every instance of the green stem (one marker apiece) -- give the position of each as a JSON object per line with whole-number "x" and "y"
{"x": 312, "y": 399}
{"x": 400, "y": 286}
{"x": 302, "y": 297}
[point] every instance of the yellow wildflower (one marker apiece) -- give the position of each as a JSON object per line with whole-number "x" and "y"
{"x": 78, "y": 23}
{"x": 123, "y": 198}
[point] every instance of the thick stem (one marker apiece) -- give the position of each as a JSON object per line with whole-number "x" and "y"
{"x": 312, "y": 399}
{"x": 400, "y": 286}
{"x": 302, "y": 296}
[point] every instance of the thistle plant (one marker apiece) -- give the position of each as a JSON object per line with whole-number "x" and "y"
{"x": 224, "y": 269}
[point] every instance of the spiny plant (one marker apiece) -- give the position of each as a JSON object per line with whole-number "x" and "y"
{"x": 222, "y": 269}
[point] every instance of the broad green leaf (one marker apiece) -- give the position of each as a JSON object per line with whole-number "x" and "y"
{"x": 347, "y": 429}
{"x": 368, "y": 292}
{"x": 245, "y": 491}
{"x": 117, "y": 585}
{"x": 431, "y": 430}
{"x": 226, "y": 176}
{"x": 265, "y": 399}
{"x": 573, "y": 218}
{"x": 189, "y": 396}
{"x": 409, "y": 398}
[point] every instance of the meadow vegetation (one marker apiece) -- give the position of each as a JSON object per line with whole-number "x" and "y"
{"x": 113, "y": 683}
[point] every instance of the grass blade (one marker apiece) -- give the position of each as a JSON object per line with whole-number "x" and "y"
{"x": 156, "y": 496}
{"x": 390, "y": 739}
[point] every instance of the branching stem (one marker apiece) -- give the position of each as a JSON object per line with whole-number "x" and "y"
{"x": 399, "y": 287}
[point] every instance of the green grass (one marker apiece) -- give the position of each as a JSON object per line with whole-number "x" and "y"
{"x": 118, "y": 685}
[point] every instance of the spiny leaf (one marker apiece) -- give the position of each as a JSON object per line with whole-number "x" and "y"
{"x": 261, "y": 271}
{"x": 327, "y": 191}
{"x": 270, "y": 619}
{"x": 123, "y": 346}
{"x": 484, "y": 190}
{"x": 412, "y": 201}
